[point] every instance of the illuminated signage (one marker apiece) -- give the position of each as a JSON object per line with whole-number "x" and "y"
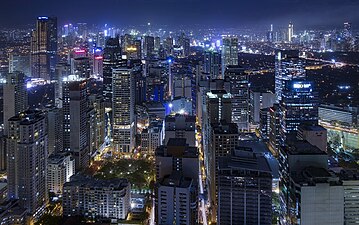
{"x": 301, "y": 85}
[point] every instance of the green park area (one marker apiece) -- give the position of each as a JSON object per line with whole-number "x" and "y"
{"x": 139, "y": 172}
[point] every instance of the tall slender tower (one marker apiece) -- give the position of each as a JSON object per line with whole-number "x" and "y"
{"x": 75, "y": 120}
{"x": 239, "y": 89}
{"x": 288, "y": 65}
{"x": 299, "y": 105}
{"x": 123, "y": 107}
{"x": 27, "y": 160}
{"x": 44, "y": 48}
{"x": 111, "y": 59}
{"x": 15, "y": 97}
{"x": 290, "y": 32}
{"x": 229, "y": 52}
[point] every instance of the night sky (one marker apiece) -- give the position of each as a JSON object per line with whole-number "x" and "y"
{"x": 214, "y": 13}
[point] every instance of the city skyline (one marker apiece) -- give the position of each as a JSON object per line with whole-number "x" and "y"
{"x": 197, "y": 122}
{"x": 173, "y": 13}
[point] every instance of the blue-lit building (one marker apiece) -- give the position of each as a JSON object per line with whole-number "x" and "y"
{"x": 288, "y": 66}
{"x": 299, "y": 105}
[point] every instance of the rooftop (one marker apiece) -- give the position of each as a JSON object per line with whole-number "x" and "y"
{"x": 176, "y": 180}
{"x": 311, "y": 176}
{"x": 225, "y": 128}
{"x": 80, "y": 180}
{"x": 312, "y": 128}
{"x": 302, "y": 147}
{"x": 28, "y": 117}
{"x": 177, "y": 142}
{"x": 57, "y": 158}
{"x": 177, "y": 147}
{"x": 216, "y": 93}
{"x": 244, "y": 158}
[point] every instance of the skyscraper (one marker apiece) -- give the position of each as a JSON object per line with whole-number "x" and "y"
{"x": 219, "y": 106}
{"x": 15, "y": 97}
{"x": 347, "y": 33}
{"x": 55, "y": 130}
{"x": 111, "y": 59}
{"x": 148, "y": 47}
{"x": 244, "y": 188}
{"x": 181, "y": 126}
{"x": 288, "y": 66}
{"x": 211, "y": 64}
{"x": 290, "y": 32}
{"x": 75, "y": 121}
{"x": 176, "y": 200}
{"x": 309, "y": 193}
{"x": 44, "y": 48}
{"x": 80, "y": 63}
{"x": 299, "y": 105}
{"x": 224, "y": 139}
{"x": 123, "y": 107}
{"x": 239, "y": 89}
{"x": 27, "y": 160}
{"x": 177, "y": 169}
{"x": 229, "y": 52}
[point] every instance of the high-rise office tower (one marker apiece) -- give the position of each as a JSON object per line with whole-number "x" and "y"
{"x": 148, "y": 47}
{"x": 184, "y": 43}
{"x": 264, "y": 124}
{"x": 207, "y": 55}
{"x": 44, "y": 48}
{"x": 177, "y": 169}
{"x": 19, "y": 63}
{"x": 168, "y": 45}
{"x": 111, "y": 59}
{"x": 123, "y": 107}
{"x": 27, "y": 160}
{"x": 274, "y": 129}
{"x": 224, "y": 139}
{"x": 98, "y": 62}
{"x": 259, "y": 99}
{"x": 239, "y": 89}
{"x": 309, "y": 193}
{"x": 62, "y": 70}
{"x": 219, "y": 106}
{"x": 177, "y": 156}
{"x": 229, "y": 52}
{"x": 157, "y": 44}
{"x": 270, "y": 34}
{"x": 288, "y": 66}
{"x": 347, "y": 32}
{"x": 211, "y": 64}
{"x": 181, "y": 126}
{"x": 177, "y": 200}
{"x": 55, "y": 130}
{"x": 15, "y": 97}
{"x": 299, "y": 105}
{"x": 80, "y": 63}
{"x": 244, "y": 188}
{"x": 98, "y": 104}
{"x": 126, "y": 41}
{"x": 75, "y": 121}
{"x": 290, "y": 32}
